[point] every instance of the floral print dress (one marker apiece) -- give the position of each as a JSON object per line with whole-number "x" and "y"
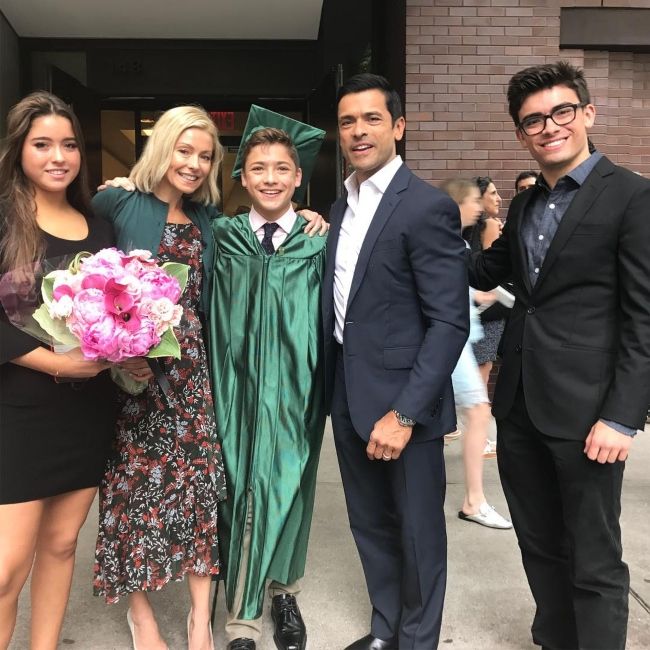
{"x": 165, "y": 478}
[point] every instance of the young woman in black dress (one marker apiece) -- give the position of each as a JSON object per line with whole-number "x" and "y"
{"x": 54, "y": 435}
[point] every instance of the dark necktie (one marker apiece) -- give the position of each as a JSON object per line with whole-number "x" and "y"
{"x": 267, "y": 241}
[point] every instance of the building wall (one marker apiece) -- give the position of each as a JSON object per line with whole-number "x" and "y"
{"x": 9, "y": 70}
{"x": 460, "y": 55}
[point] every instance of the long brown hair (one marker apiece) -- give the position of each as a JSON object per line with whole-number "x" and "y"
{"x": 21, "y": 241}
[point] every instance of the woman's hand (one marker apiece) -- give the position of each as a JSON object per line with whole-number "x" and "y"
{"x": 73, "y": 365}
{"x": 69, "y": 365}
{"x": 317, "y": 224}
{"x": 119, "y": 181}
{"x": 137, "y": 367}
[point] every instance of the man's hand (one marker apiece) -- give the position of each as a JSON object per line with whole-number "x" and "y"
{"x": 317, "y": 225}
{"x": 606, "y": 445}
{"x": 118, "y": 181}
{"x": 388, "y": 438}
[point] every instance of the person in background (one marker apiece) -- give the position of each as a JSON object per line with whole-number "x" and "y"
{"x": 525, "y": 180}
{"x": 493, "y": 314}
{"x": 57, "y": 411}
{"x": 481, "y": 236}
{"x": 470, "y": 394}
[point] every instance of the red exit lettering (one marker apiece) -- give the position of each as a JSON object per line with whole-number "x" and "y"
{"x": 225, "y": 120}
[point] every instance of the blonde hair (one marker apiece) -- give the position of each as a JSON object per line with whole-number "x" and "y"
{"x": 458, "y": 188}
{"x": 154, "y": 162}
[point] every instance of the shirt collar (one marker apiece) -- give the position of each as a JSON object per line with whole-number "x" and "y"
{"x": 286, "y": 221}
{"x": 577, "y": 174}
{"x": 380, "y": 179}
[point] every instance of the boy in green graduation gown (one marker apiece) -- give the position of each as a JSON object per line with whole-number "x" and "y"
{"x": 268, "y": 384}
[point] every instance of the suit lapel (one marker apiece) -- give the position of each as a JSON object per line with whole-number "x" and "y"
{"x": 521, "y": 250}
{"x": 385, "y": 209}
{"x": 580, "y": 206}
{"x": 336, "y": 218}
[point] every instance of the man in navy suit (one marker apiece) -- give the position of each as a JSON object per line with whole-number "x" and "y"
{"x": 395, "y": 316}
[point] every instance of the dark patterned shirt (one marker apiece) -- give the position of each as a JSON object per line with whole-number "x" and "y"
{"x": 545, "y": 211}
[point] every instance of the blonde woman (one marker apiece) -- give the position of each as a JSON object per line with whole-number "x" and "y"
{"x": 54, "y": 435}
{"x": 159, "y": 497}
{"x": 469, "y": 389}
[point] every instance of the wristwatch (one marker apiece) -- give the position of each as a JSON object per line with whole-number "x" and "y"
{"x": 403, "y": 420}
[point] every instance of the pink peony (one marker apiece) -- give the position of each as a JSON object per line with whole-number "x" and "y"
{"x": 99, "y": 340}
{"x": 143, "y": 339}
{"x": 158, "y": 284}
{"x": 89, "y": 306}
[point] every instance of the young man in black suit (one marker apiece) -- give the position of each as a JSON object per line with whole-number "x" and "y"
{"x": 573, "y": 386}
{"x": 395, "y": 320}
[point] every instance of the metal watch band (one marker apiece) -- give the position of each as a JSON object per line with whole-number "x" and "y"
{"x": 403, "y": 420}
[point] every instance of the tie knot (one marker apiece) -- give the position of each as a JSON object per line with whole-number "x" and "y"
{"x": 270, "y": 228}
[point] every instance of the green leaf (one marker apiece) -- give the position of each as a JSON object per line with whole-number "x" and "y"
{"x": 177, "y": 270}
{"x": 168, "y": 346}
{"x": 55, "y": 327}
{"x": 47, "y": 287}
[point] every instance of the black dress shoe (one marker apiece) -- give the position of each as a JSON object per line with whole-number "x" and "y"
{"x": 290, "y": 632}
{"x": 370, "y": 642}
{"x": 241, "y": 644}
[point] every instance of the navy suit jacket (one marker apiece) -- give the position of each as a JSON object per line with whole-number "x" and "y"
{"x": 407, "y": 312}
{"x": 579, "y": 339}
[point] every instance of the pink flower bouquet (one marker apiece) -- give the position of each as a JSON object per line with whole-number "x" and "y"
{"x": 115, "y": 306}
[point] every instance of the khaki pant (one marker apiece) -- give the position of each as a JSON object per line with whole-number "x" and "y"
{"x": 237, "y": 628}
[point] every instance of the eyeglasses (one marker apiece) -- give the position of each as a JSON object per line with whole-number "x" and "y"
{"x": 561, "y": 115}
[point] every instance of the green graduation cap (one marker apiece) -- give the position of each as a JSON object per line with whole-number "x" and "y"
{"x": 307, "y": 140}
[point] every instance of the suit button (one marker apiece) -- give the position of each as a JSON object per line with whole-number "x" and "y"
{"x": 531, "y": 310}
{"x": 518, "y": 349}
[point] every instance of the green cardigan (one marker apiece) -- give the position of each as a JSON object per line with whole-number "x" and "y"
{"x": 139, "y": 220}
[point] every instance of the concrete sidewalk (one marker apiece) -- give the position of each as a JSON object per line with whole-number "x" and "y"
{"x": 488, "y": 604}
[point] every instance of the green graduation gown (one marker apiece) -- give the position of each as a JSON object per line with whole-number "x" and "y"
{"x": 266, "y": 354}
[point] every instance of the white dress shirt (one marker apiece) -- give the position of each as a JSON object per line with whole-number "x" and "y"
{"x": 363, "y": 201}
{"x": 286, "y": 223}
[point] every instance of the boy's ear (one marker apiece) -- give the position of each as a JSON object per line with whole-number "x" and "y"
{"x": 298, "y": 177}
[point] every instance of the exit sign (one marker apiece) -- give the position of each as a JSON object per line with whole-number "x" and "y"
{"x": 225, "y": 120}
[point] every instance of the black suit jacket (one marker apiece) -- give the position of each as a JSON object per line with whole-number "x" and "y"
{"x": 407, "y": 312}
{"x": 579, "y": 340}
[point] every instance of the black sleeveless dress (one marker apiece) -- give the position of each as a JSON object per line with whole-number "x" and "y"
{"x": 54, "y": 437}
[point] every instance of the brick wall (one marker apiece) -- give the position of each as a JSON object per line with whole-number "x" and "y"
{"x": 460, "y": 55}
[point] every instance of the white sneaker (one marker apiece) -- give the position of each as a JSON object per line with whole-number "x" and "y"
{"x": 490, "y": 450}
{"x": 487, "y": 516}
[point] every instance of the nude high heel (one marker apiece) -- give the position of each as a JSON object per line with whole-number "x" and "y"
{"x": 129, "y": 622}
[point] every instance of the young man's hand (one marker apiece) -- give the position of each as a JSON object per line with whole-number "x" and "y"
{"x": 606, "y": 445}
